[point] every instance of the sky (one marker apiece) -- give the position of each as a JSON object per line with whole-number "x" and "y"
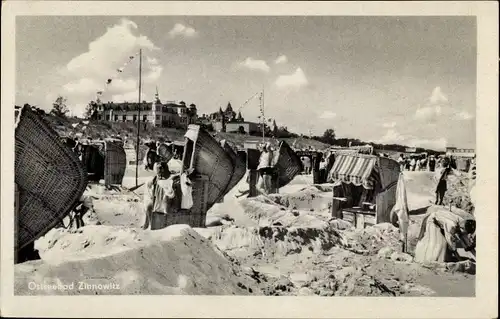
{"x": 405, "y": 80}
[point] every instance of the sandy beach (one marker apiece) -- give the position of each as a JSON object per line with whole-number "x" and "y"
{"x": 282, "y": 244}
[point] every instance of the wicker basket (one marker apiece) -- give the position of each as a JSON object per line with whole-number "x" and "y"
{"x": 288, "y": 164}
{"x": 207, "y": 157}
{"x": 115, "y": 163}
{"x": 49, "y": 176}
{"x": 239, "y": 167}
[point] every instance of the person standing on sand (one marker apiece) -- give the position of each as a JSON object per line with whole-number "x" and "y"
{"x": 265, "y": 169}
{"x": 307, "y": 165}
{"x": 442, "y": 178}
{"x": 413, "y": 163}
{"x": 159, "y": 191}
{"x": 401, "y": 162}
{"x": 432, "y": 163}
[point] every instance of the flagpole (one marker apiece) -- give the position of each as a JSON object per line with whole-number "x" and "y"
{"x": 263, "y": 119}
{"x": 138, "y": 121}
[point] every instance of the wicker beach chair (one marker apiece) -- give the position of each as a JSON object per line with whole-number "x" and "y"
{"x": 239, "y": 167}
{"x": 207, "y": 157}
{"x": 115, "y": 163}
{"x": 50, "y": 178}
{"x": 288, "y": 164}
{"x": 165, "y": 152}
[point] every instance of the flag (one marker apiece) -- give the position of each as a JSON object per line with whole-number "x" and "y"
{"x": 119, "y": 70}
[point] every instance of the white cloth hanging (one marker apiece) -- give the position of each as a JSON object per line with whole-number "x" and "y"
{"x": 400, "y": 209}
{"x": 187, "y": 192}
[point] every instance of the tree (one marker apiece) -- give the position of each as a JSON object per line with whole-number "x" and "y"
{"x": 91, "y": 110}
{"x": 59, "y": 107}
{"x": 329, "y": 136}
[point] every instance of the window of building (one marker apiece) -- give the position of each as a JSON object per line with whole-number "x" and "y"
{"x": 164, "y": 118}
{"x": 157, "y": 117}
{"x": 134, "y": 118}
{"x": 107, "y": 117}
{"x": 144, "y": 118}
{"x": 124, "y": 118}
{"x": 116, "y": 118}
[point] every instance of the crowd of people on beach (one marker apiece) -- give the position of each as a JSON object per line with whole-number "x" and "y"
{"x": 419, "y": 162}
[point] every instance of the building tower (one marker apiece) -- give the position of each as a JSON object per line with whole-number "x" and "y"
{"x": 155, "y": 109}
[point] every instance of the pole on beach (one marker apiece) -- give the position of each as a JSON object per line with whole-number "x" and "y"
{"x": 138, "y": 121}
{"x": 263, "y": 118}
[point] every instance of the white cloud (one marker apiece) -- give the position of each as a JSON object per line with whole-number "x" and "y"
{"x": 436, "y": 105}
{"x": 438, "y": 96}
{"x": 427, "y": 112}
{"x": 252, "y": 64}
{"x": 389, "y": 125}
{"x": 295, "y": 80}
{"x": 83, "y": 86}
{"x": 88, "y": 72}
{"x": 281, "y": 59}
{"x": 130, "y": 96}
{"x": 122, "y": 85}
{"x": 108, "y": 52}
{"x": 438, "y": 144}
{"x": 327, "y": 115}
{"x": 464, "y": 115}
{"x": 155, "y": 70}
{"x": 182, "y": 30}
{"x": 392, "y": 136}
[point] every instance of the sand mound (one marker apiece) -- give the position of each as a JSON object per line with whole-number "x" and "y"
{"x": 372, "y": 239}
{"x": 310, "y": 198}
{"x": 458, "y": 194}
{"x": 113, "y": 260}
{"x": 267, "y": 242}
{"x": 266, "y": 212}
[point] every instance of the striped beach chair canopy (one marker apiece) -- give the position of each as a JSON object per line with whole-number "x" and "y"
{"x": 357, "y": 169}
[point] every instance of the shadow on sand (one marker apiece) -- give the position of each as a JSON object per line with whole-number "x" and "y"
{"x": 419, "y": 211}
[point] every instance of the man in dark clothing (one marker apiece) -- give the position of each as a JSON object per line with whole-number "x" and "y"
{"x": 432, "y": 163}
{"x": 442, "y": 176}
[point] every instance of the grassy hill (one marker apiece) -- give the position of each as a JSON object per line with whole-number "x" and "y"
{"x": 101, "y": 129}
